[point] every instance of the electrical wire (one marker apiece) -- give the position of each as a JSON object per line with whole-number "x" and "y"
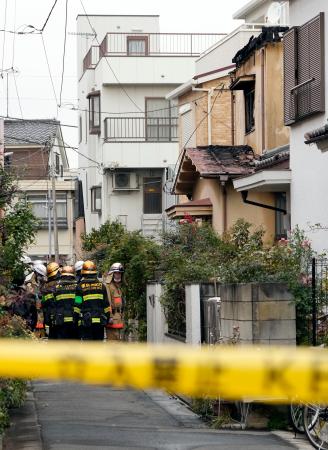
{"x": 4, "y": 37}
{"x": 14, "y": 38}
{"x": 110, "y": 67}
{"x": 49, "y": 71}
{"x": 47, "y": 19}
{"x": 43, "y": 121}
{"x": 64, "y": 53}
{"x": 75, "y": 149}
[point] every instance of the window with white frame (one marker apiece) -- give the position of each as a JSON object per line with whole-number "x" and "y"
{"x": 94, "y": 112}
{"x": 137, "y": 45}
{"x": 96, "y": 199}
{"x": 42, "y": 205}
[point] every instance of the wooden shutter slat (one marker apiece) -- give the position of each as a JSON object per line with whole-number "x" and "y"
{"x": 290, "y": 81}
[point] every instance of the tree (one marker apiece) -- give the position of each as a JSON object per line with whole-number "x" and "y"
{"x": 18, "y": 227}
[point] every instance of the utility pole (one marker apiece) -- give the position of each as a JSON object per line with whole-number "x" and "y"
{"x": 49, "y": 223}
{"x": 54, "y": 209}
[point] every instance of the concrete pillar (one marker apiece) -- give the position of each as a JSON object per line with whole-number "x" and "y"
{"x": 156, "y": 321}
{"x": 193, "y": 318}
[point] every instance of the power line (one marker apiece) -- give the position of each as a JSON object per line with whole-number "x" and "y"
{"x": 43, "y": 121}
{"x": 49, "y": 71}
{"x": 64, "y": 53}
{"x": 29, "y": 141}
{"x": 4, "y": 37}
{"x": 110, "y": 67}
{"x": 47, "y": 19}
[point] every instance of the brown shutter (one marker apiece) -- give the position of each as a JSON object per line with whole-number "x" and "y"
{"x": 310, "y": 96}
{"x": 290, "y": 66}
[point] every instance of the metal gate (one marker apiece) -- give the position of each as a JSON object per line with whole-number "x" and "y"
{"x": 319, "y": 301}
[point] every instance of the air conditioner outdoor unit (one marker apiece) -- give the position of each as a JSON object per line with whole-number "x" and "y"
{"x": 124, "y": 181}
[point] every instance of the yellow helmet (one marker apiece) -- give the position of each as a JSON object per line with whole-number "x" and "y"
{"x": 89, "y": 267}
{"x": 52, "y": 269}
{"x": 67, "y": 271}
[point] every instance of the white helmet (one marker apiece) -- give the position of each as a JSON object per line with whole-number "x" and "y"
{"x": 116, "y": 267}
{"x": 26, "y": 260}
{"x": 78, "y": 266}
{"x": 40, "y": 269}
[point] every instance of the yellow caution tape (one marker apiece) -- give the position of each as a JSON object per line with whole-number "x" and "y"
{"x": 235, "y": 372}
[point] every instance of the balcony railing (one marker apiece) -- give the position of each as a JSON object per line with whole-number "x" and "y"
{"x": 157, "y": 44}
{"x": 91, "y": 58}
{"x": 141, "y": 129}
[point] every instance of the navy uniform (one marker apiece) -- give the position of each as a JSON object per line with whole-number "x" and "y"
{"x": 47, "y": 302}
{"x": 64, "y": 298}
{"x": 91, "y": 306}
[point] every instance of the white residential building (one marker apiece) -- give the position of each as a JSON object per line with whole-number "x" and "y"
{"x": 306, "y": 79}
{"x": 128, "y": 129}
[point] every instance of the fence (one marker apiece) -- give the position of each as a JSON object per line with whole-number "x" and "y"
{"x": 317, "y": 279}
{"x": 141, "y": 129}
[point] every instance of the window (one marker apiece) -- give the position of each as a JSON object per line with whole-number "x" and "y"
{"x": 304, "y": 92}
{"x": 249, "y": 94}
{"x": 80, "y": 129}
{"x": 94, "y": 112}
{"x": 96, "y": 199}
{"x": 137, "y": 45}
{"x": 41, "y": 205}
{"x": 161, "y": 120}
{"x": 57, "y": 163}
{"x": 152, "y": 195}
{"x": 280, "y": 217}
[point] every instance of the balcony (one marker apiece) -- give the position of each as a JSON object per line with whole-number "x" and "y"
{"x": 91, "y": 58}
{"x": 150, "y": 44}
{"x": 141, "y": 129}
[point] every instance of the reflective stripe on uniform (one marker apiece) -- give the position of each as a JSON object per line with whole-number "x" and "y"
{"x": 95, "y": 320}
{"x": 116, "y": 325}
{"x": 65, "y": 296}
{"x": 107, "y": 310}
{"x": 48, "y": 296}
{"x": 78, "y": 299}
{"x": 68, "y": 319}
{"x": 93, "y": 297}
{"x": 77, "y": 310}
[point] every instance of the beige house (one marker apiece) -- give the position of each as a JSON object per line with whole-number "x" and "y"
{"x": 28, "y": 145}
{"x": 235, "y": 158}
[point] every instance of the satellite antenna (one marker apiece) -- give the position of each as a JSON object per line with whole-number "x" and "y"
{"x": 274, "y": 13}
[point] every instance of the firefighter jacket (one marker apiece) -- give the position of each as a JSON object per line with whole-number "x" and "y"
{"x": 115, "y": 297}
{"x": 47, "y": 301}
{"x": 91, "y": 302}
{"x": 64, "y": 298}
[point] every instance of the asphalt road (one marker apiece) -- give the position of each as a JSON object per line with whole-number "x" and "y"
{"x": 75, "y": 417}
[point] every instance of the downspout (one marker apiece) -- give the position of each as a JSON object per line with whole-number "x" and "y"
{"x": 223, "y": 181}
{"x": 262, "y": 99}
{"x": 209, "y": 112}
{"x": 232, "y": 119}
{"x": 244, "y": 195}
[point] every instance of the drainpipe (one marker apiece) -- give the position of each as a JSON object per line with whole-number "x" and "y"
{"x": 263, "y": 99}
{"x": 223, "y": 181}
{"x": 209, "y": 112}
{"x": 232, "y": 118}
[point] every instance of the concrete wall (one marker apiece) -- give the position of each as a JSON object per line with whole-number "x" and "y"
{"x": 309, "y": 166}
{"x": 264, "y": 312}
{"x": 236, "y": 209}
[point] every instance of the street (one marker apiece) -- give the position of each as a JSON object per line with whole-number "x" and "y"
{"x": 75, "y": 417}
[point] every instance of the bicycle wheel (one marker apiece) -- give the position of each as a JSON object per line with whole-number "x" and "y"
{"x": 315, "y": 421}
{"x": 296, "y": 417}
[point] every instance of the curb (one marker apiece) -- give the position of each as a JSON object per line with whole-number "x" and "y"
{"x": 24, "y": 432}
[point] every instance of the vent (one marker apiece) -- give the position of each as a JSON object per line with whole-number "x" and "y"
{"x": 125, "y": 181}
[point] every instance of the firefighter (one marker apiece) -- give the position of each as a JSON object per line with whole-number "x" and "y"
{"x": 48, "y": 298}
{"x": 33, "y": 284}
{"x": 91, "y": 304}
{"x": 78, "y": 268}
{"x": 114, "y": 280}
{"x": 64, "y": 297}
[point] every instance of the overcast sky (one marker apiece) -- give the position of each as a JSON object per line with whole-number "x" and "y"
{"x": 25, "y": 53}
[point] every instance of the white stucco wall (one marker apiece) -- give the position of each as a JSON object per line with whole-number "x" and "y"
{"x": 309, "y": 187}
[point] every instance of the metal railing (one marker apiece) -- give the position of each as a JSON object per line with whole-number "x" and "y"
{"x": 91, "y": 58}
{"x": 141, "y": 129}
{"x": 157, "y": 44}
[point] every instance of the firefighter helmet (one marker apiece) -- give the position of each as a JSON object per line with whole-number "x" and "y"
{"x": 78, "y": 265}
{"x": 40, "y": 269}
{"x": 89, "y": 267}
{"x": 52, "y": 269}
{"x": 67, "y": 271}
{"x": 116, "y": 267}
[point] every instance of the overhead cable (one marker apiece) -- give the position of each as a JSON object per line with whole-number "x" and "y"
{"x": 64, "y": 53}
